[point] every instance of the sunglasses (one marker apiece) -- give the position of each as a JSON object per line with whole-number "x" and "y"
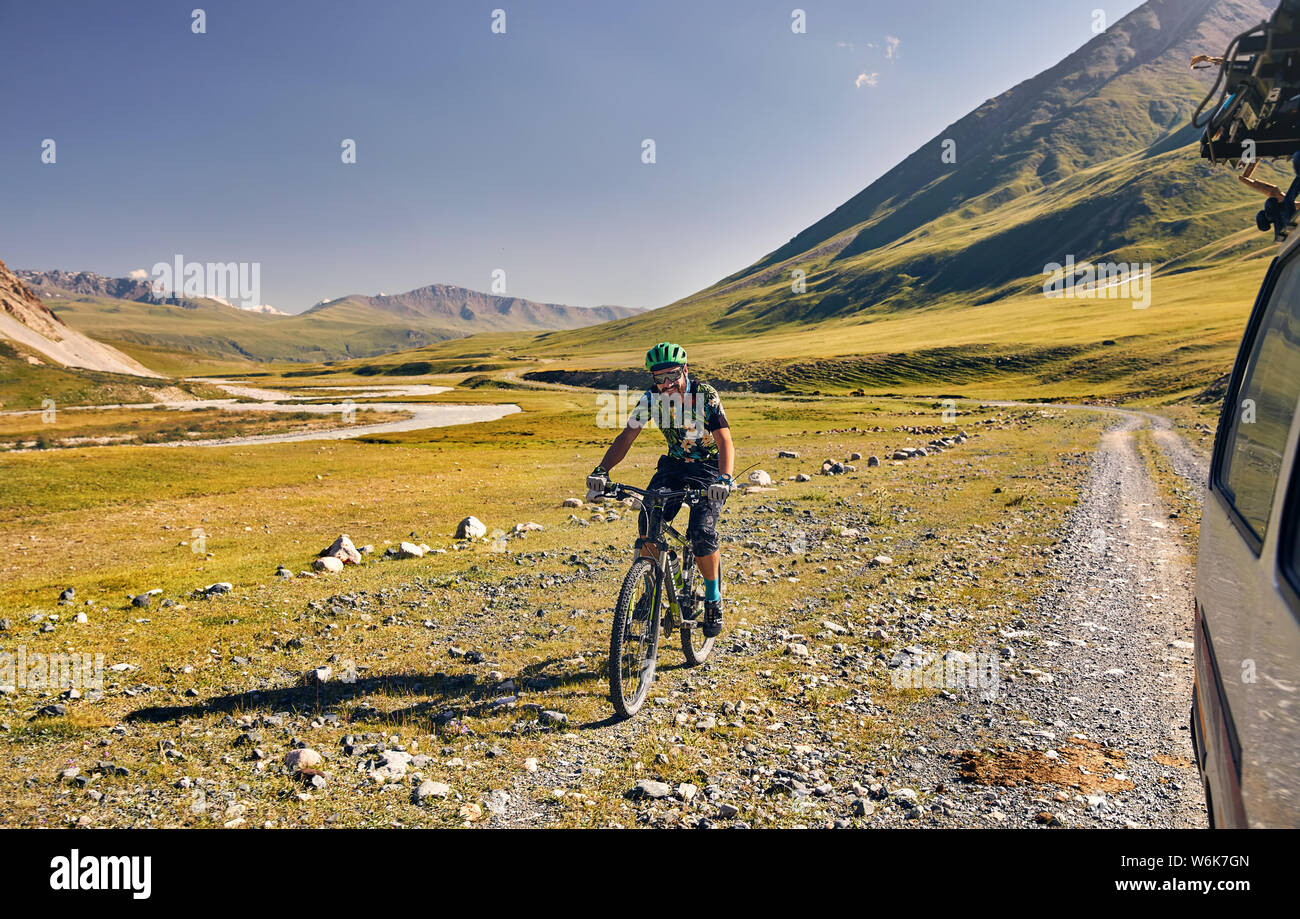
{"x": 667, "y": 376}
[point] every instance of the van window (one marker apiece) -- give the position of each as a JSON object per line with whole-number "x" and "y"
{"x": 1265, "y": 404}
{"x": 1288, "y": 550}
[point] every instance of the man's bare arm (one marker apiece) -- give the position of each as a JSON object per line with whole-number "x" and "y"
{"x": 726, "y": 453}
{"x": 618, "y": 449}
{"x": 1264, "y": 188}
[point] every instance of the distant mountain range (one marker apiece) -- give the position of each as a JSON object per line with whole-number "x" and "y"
{"x": 46, "y": 284}
{"x": 126, "y": 311}
{"x": 448, "y": 306}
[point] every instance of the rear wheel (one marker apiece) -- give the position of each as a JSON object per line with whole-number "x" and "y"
{"x": 634, "y": 637}
{"x": 695, "y": 646}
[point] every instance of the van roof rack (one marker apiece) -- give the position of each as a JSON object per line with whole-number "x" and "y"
{"x": 1256, "y": 111}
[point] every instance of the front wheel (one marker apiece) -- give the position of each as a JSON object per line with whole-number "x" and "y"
{"x": 634, "y": 637}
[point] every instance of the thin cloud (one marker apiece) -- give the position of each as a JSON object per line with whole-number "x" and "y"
{"x": 866, "y": 79}
{"x": 138, "y": 275}
{"x": 891, "y": 47}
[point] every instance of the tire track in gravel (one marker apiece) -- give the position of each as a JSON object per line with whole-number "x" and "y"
{"x": 1104, "y": 657}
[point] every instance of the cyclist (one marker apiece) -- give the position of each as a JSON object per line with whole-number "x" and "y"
{"x": 700, "y": 455}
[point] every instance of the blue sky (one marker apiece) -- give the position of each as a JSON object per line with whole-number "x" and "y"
{"x": 478, "y": 151}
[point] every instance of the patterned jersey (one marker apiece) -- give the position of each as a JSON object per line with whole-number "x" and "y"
{"x": 687, "y": 420}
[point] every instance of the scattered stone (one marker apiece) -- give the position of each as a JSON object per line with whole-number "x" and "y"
{"x": 873, "y": 461}
{"x": 854, "y": 457}
{"x": 407, "y": 550}
{"x": 881, "y": 560}
{"x": 572, "y": 502}
{"x": 344, "y": 550}
{"x": 471, "y": 528}
{"x": 69, "y": 594}
{"x": 550, "y": 716}
{"x": 803, "y": 477}
{"x": 213, "y": 590}
{"x": 759, "y": 477}
{"x": 787, "y": 454}
{"x": 727, "y": 811}
{"x": 283, "y": 572}
{"x": 648, "y": 788}
{"x": 303, "y": 758}
{"x": 319, "y": 676}
{"x": 392, "y": 766}
{"x": 328, "y": 563}
{"x": 428, "y": 790}
{"x": 497, "y": 802}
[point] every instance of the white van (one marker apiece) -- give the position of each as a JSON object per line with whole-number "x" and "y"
{"x": 1245, "y": 717}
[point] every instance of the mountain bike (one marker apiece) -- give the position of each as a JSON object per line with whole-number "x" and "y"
{"x": 659, "y": 595}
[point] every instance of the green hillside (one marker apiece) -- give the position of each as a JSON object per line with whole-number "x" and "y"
{"x": 26, "y": 382}
{"x": 931, "y": 278}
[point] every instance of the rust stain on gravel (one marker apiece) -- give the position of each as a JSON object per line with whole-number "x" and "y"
{"x": 1081, "y": 764}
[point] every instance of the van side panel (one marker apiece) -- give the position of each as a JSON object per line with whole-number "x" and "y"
{"x": 1247, "y": 704}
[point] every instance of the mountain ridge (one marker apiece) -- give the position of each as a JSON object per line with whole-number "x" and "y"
{"x": 27, "y": 321}
{"x": 1093, "y": 156}
{"x": 346, "y": 327}
{"x": 450, "y": 301}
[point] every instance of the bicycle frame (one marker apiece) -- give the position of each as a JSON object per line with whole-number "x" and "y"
{"x": 653, "y": 503}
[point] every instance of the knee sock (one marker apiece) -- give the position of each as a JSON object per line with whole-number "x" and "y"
{"x": 712, "y": 590}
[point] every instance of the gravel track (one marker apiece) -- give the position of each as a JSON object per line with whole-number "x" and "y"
{"x": 1106, "y": 653}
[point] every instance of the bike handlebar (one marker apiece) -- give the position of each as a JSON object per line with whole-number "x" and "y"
{"x": 618, "y": 490}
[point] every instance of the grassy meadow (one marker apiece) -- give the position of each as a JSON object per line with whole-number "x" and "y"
{"x": 964, "y": 528}
{"x": 1025, "y": 347}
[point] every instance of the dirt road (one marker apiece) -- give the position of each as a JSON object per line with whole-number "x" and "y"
{"x": 1097, "y": 679}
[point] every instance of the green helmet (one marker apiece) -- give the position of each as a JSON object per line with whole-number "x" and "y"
{"x": 664, "y": 353}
